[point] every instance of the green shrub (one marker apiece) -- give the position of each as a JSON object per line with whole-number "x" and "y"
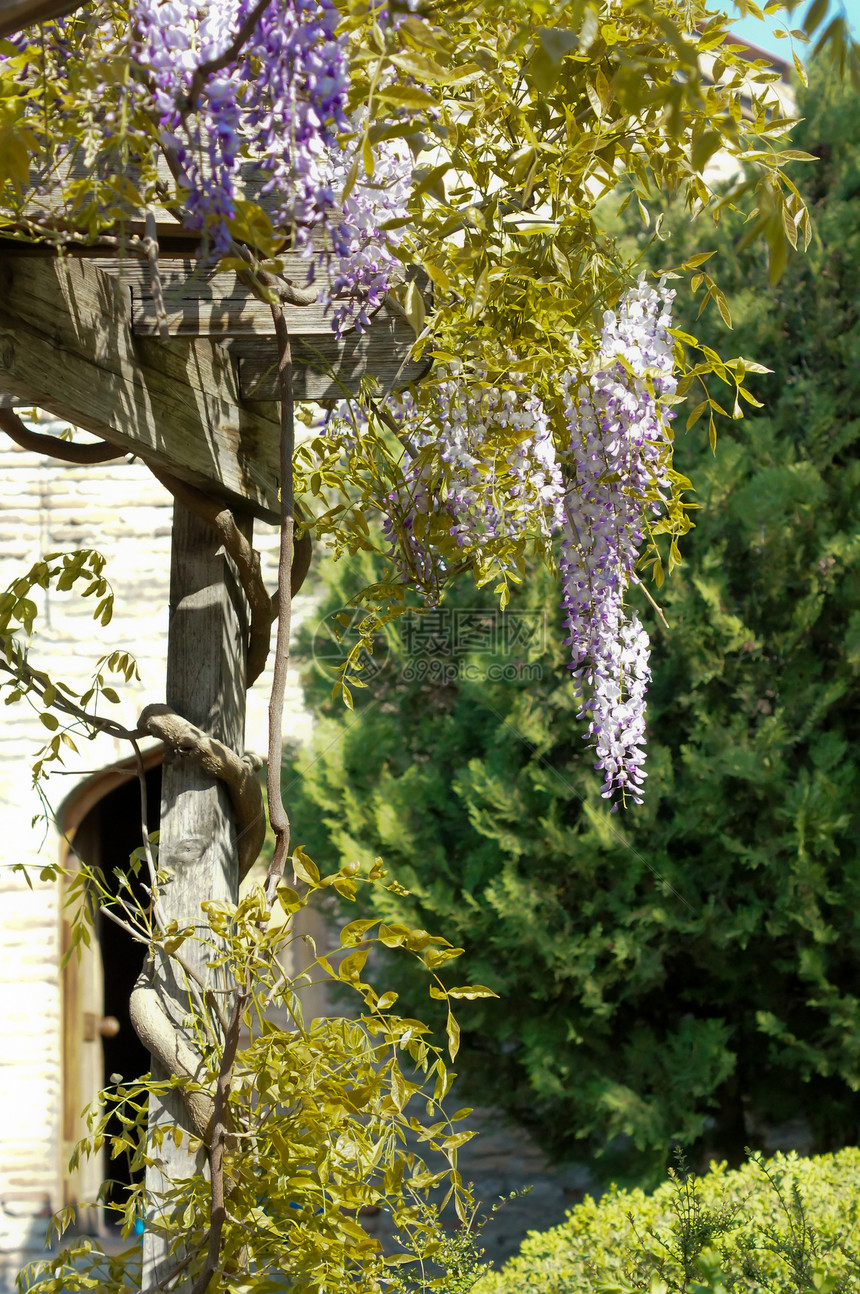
{"x": 785, "y": 1224}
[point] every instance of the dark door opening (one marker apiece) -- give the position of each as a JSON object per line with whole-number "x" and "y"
{"x": 107, "y": 837}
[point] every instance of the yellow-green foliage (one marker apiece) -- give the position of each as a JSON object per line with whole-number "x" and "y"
{"x": 782, "y": 1224}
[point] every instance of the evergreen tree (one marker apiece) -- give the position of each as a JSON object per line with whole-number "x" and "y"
{"x": 685, "y": 968}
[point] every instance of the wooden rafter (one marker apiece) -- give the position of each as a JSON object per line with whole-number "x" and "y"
{"x": 77, "y": 338}
{"x": 66, "y": 345}
{"x": 16, "y": 14}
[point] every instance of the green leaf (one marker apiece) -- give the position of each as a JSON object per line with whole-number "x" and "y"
{"x": 481, "y": 294}
{"x": 305, "y": 869}
{"x": 722, "y": 305}
{"x": 367, "y": 156}
{"x": 288, "y": 898}
{"x": 696, "y": 414}
{"x": 556, "y": 42}
{"x": 352, "y": 965}
{"x": 434, "y": 957}
{"x": 800, "y": 69}
{"x": 431, "y": 182}
{"x": 349, "y": 184}
{"x": 471, "y": 991}
{"x": 407, "y": 96}
{"x": 704, "y": 147}
{"x": 814, "y": 15}
{"x": 354, "y": 931}
{"x": 413, "y": 305}
{"x": 452, "y": 1031}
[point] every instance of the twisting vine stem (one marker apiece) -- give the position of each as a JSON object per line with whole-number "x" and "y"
{"x": 277, "y": 813}
{"x": 220, "y": 1132}
{"x": 40, "y": 443}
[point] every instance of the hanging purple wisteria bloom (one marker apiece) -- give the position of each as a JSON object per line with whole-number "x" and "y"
{"x": 480, "y": 465}
{"x": 494, "y": 473}
{"x": 279, "y": 107}
{"x": 281, "y": 100}
{"x": 618, "y": 467}
{"x": 362, "y": 263}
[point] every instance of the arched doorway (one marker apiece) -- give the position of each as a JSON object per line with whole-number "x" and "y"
{"x": 100, "y": 824}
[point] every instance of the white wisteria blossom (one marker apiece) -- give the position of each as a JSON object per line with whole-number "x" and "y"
{"x": 619, "y": 457}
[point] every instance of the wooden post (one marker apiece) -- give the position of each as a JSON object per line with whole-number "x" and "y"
{"x": 205, "y": 684}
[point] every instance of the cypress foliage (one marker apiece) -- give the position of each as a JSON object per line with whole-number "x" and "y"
{"x": 683, "y": 971}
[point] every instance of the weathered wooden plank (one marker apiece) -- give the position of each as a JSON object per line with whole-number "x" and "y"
{"x": 206, "y": 684}
{"x": 328, "y": 368}
{"x": 202, "y": 302}
{"x": 15, "y": 14}
{"x": 183, "y": 277}
{"x": 48, "y": 204}
{"x": 226, "y": 317}
{"x": 66, "y": 345}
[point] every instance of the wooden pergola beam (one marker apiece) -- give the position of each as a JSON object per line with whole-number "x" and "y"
{"x": 67, "y": 346}
{"x": 78, "y": 337}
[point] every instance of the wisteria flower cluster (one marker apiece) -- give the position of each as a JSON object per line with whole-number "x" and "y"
{"x": 362, "y": 263}
{"x": 619, "y": 455}
{"x": 480, "y": 465}
{"x": 283, "y": 98}
{"x": 279, "y": 106}
{"x": 485, "y": 457}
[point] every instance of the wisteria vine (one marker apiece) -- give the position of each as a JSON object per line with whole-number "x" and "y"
{"x": 487, "y": 461}
{"x": 481, "y": 471}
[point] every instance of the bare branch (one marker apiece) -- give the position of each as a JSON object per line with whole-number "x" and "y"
{"x": 238, "y": 773}
{"x": 220, "y": 1132}
{"x": 150, "y": 246}
{"x": 158, "y": 911}
{"x": 263, "y": 284}
{"x": 61, "y": 702}
{"x": 66, "y": 450}
{"x": 139, "y": 936}
{"x": 229, "y": 55}
{"x": 163, "y": 1040}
